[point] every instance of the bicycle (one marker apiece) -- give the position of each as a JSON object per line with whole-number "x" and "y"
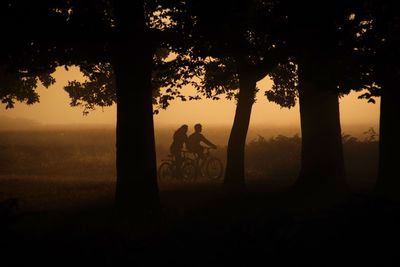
{"x": 168, "y": 170}
{"x": 211, "y": 167}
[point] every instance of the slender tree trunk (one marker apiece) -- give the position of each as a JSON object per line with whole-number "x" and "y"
{"x": 388, "y": 182}
{"x": 234, "y": 172}
{"x": 322, "y": 163}
{"x": 136, "y": 190}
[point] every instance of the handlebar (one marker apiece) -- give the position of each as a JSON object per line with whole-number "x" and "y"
{"x": 191, "y": 152}
{"x": 187, "y": 152}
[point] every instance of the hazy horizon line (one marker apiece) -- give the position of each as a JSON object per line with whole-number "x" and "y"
{"x": 32, "y": 123}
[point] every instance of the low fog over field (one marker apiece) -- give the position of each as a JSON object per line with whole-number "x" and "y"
{"x": 86, "y": 154}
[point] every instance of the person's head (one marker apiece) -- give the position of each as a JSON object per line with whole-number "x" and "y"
{"x": 198, "y": 128}
{"x": 183, "y": 129}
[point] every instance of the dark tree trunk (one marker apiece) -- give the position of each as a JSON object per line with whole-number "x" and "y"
{"x": 136, "y": 190}
{"x": 234, "y": 172}
{"x": 388, "y": 183}
{"x": 322, "y": 162}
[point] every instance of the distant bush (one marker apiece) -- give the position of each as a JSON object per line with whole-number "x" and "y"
{"x": 361, "y": 158}
{"x": 276, "y": 158}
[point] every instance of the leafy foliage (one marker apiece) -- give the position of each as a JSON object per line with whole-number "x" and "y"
{"x": 170, "y": 76}
{"x": 379, "y": 44}
{"x": 20, "y": 86}
{"x": 50, "y": 34}
{"x": 98, "y": 89}
{"x": 285, "y": 87}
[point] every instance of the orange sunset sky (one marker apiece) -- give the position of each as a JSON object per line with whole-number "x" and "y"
{"x": 54, "y": 109}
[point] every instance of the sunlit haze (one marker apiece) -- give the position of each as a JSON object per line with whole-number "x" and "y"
{"x": 54, "y": 108}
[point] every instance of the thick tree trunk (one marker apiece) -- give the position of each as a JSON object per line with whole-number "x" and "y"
{"x": 388, "y": 183}
{"x": 234, "y": 172}
{"x": 136, "y": 190}
{"x": 322, "y": 163}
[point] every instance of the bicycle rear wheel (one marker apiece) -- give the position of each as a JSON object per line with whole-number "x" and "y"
{"x": 188, "y": 170}
{"x": 165, "y": 172}
{"x": 214, "y": 169}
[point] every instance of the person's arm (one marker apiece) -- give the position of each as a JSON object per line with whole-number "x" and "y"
{"x": 207, "y": 142}
{"x": 185, "y": 143}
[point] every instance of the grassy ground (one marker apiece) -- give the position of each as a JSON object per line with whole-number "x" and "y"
{"x": 68, "y": 221}
{"x": 56, "y": 209}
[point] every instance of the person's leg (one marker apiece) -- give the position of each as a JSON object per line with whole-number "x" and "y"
{"x": 202, "y": 160}
{"x": 179, "y": 161}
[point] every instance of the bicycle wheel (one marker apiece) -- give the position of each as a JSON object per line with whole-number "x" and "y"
{"x": 188, "y": 170}
{"x": 214, "y": 169}
{"x": 165, "y": 173}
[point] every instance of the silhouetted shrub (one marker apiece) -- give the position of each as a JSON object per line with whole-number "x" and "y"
{"x": 361, "y": 159}
{"x": 277, "y": 158}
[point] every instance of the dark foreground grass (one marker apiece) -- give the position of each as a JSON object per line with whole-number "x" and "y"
{"x": 266, "y": 225}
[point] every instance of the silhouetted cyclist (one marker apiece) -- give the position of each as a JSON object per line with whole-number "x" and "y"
{"x": 194, "y": 141}
{"x": 179, "y": 139}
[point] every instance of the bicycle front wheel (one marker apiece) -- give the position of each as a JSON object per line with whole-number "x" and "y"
{"x": 165, "y": 173}
{"x": 214, "y": 169}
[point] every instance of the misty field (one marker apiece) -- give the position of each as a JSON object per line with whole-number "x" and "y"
{"x": 63, "y": 182}
{"x": 48, "y": 169}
